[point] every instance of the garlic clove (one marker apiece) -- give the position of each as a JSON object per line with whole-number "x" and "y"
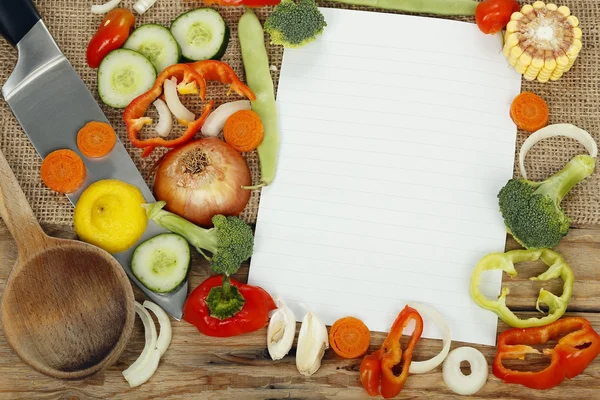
{"x": 281, "y": 331}
{"x": 312, "y": 343}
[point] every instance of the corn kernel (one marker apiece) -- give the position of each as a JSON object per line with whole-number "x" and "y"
{"x": 564, "y": 11}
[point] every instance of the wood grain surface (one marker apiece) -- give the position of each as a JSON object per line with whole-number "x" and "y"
{"x": 196, "y": 366}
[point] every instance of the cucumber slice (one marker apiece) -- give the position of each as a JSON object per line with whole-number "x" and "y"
{"x": 156, "y": 43}
{"x": 202, "y": 34}
{"x": 162, "y": 262}
{"x": 122, "y": 76}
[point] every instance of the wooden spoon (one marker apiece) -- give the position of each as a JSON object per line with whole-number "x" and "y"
{"x": 67, "y": 309}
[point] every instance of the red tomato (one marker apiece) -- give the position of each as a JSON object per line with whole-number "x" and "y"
{"x": 493, "y": 15}
{"x": 112, "y": 34}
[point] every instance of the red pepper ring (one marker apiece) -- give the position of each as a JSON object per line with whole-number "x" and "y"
{"x": 135, "y": 111}
{"x": 376, "y": 370}
{"x": 574, "y": 351}
{"x": 213, "y": 70}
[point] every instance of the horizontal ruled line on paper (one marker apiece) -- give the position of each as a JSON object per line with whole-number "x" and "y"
{"x": 494, "y": 113}
{"x": 397, "y": 225}
{"x": 401, "y": 74}
{"x": 385, "y": 112}
{"x": 315, "y": 146}
{"x": 395, "y": 140}
{"x": 376, "y": 208}
{"x": 378, "y": 125}
{"x": 378, "y": 267}
{"x": 388, "y": 195}
{"x": 392, "y": 85}
{"x": 384, "y": 180}
{"x": 461, "y": 68}
{"x": 412, "y": 49}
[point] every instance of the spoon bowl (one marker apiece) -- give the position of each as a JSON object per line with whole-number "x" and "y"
{"x": 68, "y": 307}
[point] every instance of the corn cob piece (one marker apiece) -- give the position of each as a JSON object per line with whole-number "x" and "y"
{"x": 542, "y": 41}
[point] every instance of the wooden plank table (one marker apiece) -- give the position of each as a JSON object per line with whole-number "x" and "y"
{"x": 196, "y": 366}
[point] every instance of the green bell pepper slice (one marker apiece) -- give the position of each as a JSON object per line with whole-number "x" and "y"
{"x": 557, "y": 268}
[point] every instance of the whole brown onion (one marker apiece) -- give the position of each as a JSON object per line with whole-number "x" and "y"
{"x": 202, "y": 179}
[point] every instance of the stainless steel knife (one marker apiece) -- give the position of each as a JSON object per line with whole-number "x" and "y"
{"x": 52, "y": 103}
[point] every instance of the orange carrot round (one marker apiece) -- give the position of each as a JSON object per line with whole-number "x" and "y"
{"x": 529, "y": 111}
{"x": 96, "y": 139}
{"x": 349, "y": 337}
{"x": 63, "y": 171}
{"x": 244, "y": 131}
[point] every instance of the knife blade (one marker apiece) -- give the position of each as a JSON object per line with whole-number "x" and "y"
{"x": 52, "y": 104}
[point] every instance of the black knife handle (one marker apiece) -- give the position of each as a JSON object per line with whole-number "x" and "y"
{"x": 17, "y": 17}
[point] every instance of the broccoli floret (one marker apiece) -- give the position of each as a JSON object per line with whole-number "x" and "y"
{"x": 230, "y": 241}
{"x": 294, "y": 24}
{"x": 531, "y": 210}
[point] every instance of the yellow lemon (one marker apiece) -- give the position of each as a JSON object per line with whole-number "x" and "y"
{"x": 109, "y": 214}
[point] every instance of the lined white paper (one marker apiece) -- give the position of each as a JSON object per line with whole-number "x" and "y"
{"x": 395, "y": 140}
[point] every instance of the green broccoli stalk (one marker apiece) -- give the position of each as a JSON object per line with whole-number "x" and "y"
{"x": 531, "y": 210}
{"x": 230, "y": 243}
{"x": 294, "y": 24}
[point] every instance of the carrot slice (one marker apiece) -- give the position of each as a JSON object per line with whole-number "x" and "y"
{"x": 96, "y": 139}
{"x": 529, "y": 111}
{"x": 349, "y": 337}
{"x": 63, "y": 171}
{"x": 244, "y": 131}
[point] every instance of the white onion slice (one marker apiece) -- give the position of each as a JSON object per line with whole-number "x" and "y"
{"x": 567, "y": 130}
{"x": 106, "y": 7}
{"x": 165, "y": 121}
{"x": 178, "y": 109}
{"x": 141, "y": 6}
{"x": 145, "y": 373}
{"x": 150, "y": 335}
{"x": 216, "y": 120}
{"x": 164, "y": 338}
{"x": 421, "y": 367}
{"x": 460, "y": 383}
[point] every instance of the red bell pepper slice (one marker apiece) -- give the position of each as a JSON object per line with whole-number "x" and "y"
{"x": 578, "y": 345}
{"x": 253, "y": 315}
{"x": 376, "y": 370}
{"x": 134, "y": 113}
{"x": 213, "y": 70}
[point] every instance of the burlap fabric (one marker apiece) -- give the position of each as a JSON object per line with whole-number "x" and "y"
{"x": 574, "y": 99}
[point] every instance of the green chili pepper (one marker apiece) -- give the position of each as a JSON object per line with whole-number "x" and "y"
{"x": 258, "y": 77}
{"x": 557, "y": 268}
{"x": 440, "y": 7}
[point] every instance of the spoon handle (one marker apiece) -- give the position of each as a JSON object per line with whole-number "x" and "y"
{"x": 17, "y": 214}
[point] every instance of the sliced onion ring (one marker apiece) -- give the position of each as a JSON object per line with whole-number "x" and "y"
{"x": 164, "y": 338}
{"x": 144, "y": 367}
{"x": 106, "y": 7}
{"x": 150, "y": 335}
{"x": 421, "y": 367}
{"x": 216, "y": 120}
{"x": 165, "y": 121}
{"x": 178, "y": 109}
{"x": 460, "y": 383}
{"x": 567, "y": 130}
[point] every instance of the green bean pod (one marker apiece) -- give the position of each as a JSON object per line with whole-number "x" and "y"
{"x": 440, "y": 7}
{"x": 258, "y": 77}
